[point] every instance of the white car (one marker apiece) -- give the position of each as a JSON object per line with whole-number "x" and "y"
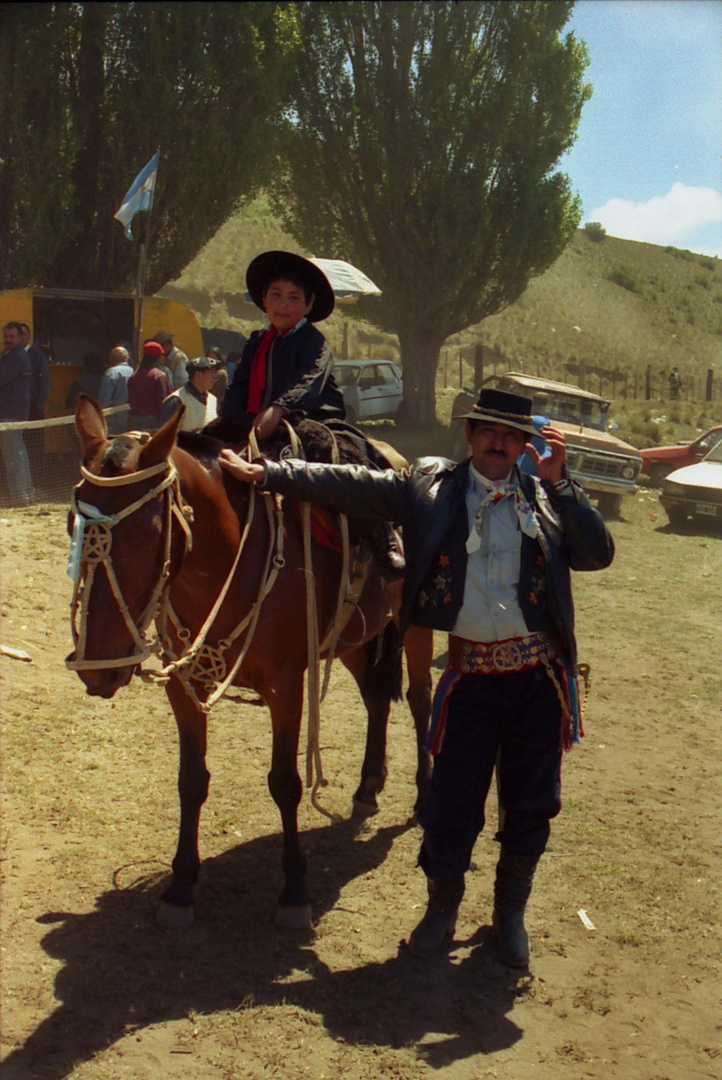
{"x": 695, "y": 490}
{"x": 372, "y": 389}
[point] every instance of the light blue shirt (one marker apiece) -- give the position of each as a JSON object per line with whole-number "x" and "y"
{"x": 490, "y": 610}
{"x": 113, "y": 388}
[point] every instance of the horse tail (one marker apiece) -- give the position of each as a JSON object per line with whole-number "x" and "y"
{"x": 382, "y": 676}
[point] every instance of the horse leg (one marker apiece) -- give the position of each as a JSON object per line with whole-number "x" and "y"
{"x": 377, "y": 700}
{"x": 419, "y": 650}
{"x": 284, "y": 783}
{"x": 177, "y": 905}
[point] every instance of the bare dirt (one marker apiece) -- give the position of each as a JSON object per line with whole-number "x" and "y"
{"x": 91, "y": 990}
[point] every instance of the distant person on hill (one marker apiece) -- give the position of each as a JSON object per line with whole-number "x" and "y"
{"x": 114, "y": 388}
{"x": 288, "y": 366}
{"x": 201, "y": 407}
{"x": 148, "y": 388}
{"x": 175, "y": 359}
{"x": 88, "y": 382}
{"x": 675, "y": 384}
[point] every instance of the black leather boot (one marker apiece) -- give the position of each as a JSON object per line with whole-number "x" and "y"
{"x": 439, "y": 921}
{"x": 514, "y": 877}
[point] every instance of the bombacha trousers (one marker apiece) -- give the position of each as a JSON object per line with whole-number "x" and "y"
{"x": 519, "y": 717}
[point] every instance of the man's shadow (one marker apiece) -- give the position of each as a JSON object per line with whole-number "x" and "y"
{"x": 121, "y": 975}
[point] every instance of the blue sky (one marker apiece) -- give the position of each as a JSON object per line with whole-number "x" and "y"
{"x": 648, "y": 159}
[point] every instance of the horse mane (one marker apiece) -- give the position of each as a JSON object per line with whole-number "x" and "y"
{"x": 316, "y": 438}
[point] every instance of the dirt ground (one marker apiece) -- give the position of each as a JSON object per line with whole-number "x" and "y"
{"x": 91, "y": 990}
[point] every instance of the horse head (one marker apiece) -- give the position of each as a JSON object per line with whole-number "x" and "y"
{"x": 129, "y": 533}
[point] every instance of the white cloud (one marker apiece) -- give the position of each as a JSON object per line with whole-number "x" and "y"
{"x": 663, "y": 219}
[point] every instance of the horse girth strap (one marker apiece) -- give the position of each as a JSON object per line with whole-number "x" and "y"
{"x": 92, "y": 548}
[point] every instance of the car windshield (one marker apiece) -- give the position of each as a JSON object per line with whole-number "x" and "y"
{"x": 715, "y": 453}
{"x": 572, "y": 410}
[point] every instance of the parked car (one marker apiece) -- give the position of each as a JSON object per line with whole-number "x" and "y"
{"x": 696, "y": 490}
{"x": 659, "y": 461}
{"x": 372, "y": 389}
{"x": 605, "y": 466}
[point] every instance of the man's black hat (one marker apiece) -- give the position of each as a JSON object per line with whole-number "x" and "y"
{"x": 272, "y": 265}
{"x": 502, "y": 407}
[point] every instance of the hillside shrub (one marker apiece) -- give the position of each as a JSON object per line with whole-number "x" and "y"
{"x": 623, "y": 276}
{"x": 681, "y": 253}
{"x": 595, "y": 231}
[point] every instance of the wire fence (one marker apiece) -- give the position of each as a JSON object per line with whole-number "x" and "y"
{"x": 40, "y": 459}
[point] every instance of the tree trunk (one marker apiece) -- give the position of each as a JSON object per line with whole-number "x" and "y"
{"x": 419, "y": 359}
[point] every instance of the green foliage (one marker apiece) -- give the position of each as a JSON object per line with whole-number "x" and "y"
{"x": 595, "y": 231}
{"x": 89, "y": 91}
{"x": 422, "y": 148}
{"x": 623, "y": 276}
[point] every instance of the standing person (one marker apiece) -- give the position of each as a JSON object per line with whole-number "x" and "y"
{"x": 15, "y": 389}
{"x": 288, "y": 366}
{"x": 220, "y": 383}
{"x": 88, "y": 382}
{"x": 197, "y": 396}
{"x": 148, "y": 387}
{"x": 488, "y": 557}
{"x": 175, "y": 359}
{"x": 39, "y": 375}
{"x": 113, "y": 390}
{"x": 675, "y": 384}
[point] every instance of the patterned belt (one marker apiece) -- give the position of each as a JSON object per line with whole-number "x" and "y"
{"x": 499, "y": 657}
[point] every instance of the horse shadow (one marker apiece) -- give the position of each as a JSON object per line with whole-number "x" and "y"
{"x": 120, "y": 976}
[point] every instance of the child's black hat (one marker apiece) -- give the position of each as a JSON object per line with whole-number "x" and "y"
{"x": 273, "y": 265}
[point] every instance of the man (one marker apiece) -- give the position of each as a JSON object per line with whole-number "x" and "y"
{"x": 175, "y": 360}
{"x": 148, "y": 388}
{"x": 113, "y": 390}
{"x": 39, "y": 375}
{"x": 675, "y": 384}
{"x": 15, "y": 387}
{"x": 200, "y": 405}
{"x": 488, "y": 556}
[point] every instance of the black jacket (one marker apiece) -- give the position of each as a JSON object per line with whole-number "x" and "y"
{"x": 429, "y": 501}
{"x": 298, "y": 376}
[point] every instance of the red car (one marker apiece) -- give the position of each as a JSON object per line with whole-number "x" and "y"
{"x": 658, "y": 461}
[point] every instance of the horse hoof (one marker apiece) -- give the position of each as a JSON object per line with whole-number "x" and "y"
{"x": 174, "y": 917}
{"x": 293, "y": 916}
{"x": 362, "y": 809}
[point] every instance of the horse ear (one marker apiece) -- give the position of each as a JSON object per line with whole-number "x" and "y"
{"x": 90, "y": 426}
{"x": 160, "y": 444}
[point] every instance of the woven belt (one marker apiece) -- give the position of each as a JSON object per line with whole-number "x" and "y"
{"x": 499, "y": 657}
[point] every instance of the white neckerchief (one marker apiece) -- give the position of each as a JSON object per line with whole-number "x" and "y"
{"x": 492, "y": 492}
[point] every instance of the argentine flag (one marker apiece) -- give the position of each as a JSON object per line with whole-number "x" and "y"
{"x": 139, "y": 195}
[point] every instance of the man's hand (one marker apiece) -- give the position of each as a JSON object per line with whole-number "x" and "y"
{"x": 242, "y": 470}
{"x": 550, "y": 468}
{"x": 267, "y": 421}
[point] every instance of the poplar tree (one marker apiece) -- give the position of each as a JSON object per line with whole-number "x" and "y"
{"x": 422, "y": 147}
{"x": 90, "y": 91}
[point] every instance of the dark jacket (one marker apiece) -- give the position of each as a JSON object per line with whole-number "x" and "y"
{"x": 15, "y": 384}
{"x": 298, "y": 376}
{"x": 429, "y": 501}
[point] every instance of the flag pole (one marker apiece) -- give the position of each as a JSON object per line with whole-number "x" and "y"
{"x": 142, "y": 264}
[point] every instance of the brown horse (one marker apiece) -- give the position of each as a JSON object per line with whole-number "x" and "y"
{"x": 161, "y": 537}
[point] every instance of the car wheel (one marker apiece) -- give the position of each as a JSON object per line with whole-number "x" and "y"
{"x": 350, "y": 415}
{"x": 677, "y": 516}
{"x": 658, "y": 474}
{"x": 609, "y": 505}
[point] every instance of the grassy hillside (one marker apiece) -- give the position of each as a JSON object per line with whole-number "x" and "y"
{"x": 616, "y": 305}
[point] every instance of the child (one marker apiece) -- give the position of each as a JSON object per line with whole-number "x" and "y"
{"x": 288, "y": 366}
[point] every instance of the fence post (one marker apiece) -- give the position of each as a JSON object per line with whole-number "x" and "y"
{"x": 708, "y": 388}
{"x": 478, "y": 367}
{"x": 648, "y": 383}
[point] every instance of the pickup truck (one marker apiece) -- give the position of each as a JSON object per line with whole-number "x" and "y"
{"x": 605, "y": 466}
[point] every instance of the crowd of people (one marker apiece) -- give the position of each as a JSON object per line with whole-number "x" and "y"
{"x": 141, "y": 396}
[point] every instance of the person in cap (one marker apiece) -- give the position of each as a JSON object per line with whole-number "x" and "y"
{"x": 200, "y": 404}
{"x": 148, "y": 387}
{"x": 489, "y": 552}
{"x": 288, "y": 366}
{"x": 175, "y": 359}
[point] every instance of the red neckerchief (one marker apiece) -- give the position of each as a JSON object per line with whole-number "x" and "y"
{"x": 257, "y": 382}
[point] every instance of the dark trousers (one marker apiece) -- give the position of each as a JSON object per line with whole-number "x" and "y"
{"x": 518, "y": 717}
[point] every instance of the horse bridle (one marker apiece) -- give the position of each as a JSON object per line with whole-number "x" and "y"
{"x": 91, "y": 548}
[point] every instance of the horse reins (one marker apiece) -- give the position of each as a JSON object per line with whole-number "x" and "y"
{"x": 91, "y": 548}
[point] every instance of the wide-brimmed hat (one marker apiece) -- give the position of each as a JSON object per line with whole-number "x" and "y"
{"x": 502, "y": 407}
{"x": 272, "y": 265}
{"x": 162, "y": 337}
